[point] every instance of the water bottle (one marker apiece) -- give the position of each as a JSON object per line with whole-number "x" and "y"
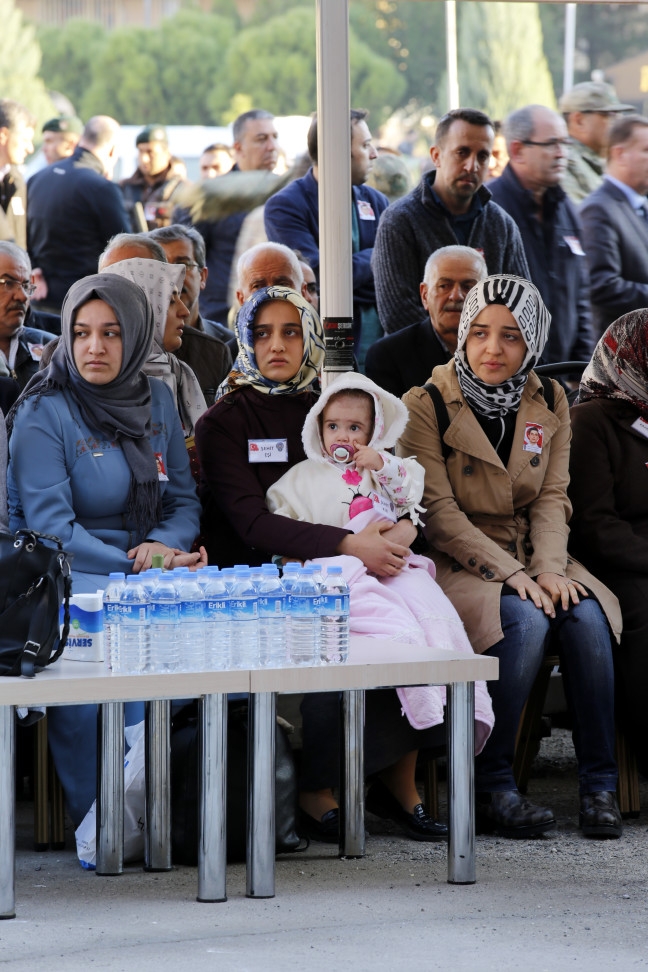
{"x": 245, "y": 620}
{"x": 227, "y": 573}
{"x": 191, "y": 621}
{"x": 164, "y": 624}
{"x": 134, "y": 626}
{"x": 218, "y": 622}
{"x": 334, "y": 615}
{"x": 272, "y": 618}
{"x": 304, "y": 623}
{"x": 111, "y": 599}
{"x": 290, "y": 572}
{"x": 150, "y": 578}
{"x": 318, "y": 575}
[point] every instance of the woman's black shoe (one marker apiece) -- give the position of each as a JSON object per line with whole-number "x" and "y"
{"x": 509, "y": 814}
{"x": 418, "y": 825}
{"x": 599, "y": 815}
{"x": 326, "y": 829}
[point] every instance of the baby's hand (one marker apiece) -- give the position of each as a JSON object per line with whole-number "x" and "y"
{"x": 366, "y": 458}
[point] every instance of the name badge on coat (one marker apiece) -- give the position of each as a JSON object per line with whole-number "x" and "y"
{"x": 365, "y": 210}
{"x": 267, "y": 450}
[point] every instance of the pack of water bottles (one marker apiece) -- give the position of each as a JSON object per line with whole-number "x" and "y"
{"x": 217, "y": 619}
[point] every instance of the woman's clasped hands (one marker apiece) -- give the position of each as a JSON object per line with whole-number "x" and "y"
{"x": 547, "y": 590}
{"x": 144, "y": 552}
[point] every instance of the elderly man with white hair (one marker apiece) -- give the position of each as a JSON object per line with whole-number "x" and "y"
{"x": 407, "y": 358}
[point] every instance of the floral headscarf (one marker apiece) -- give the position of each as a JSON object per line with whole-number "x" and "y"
{"x": 245, "y": 370}
{"x": 619, "y": 365}
{"x": 532, "y": 317}
{"x": 158, "y": 281}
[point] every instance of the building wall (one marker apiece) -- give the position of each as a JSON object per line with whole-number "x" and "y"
{"x": 110, "y": 13}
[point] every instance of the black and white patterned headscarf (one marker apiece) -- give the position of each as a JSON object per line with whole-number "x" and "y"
{"x": 532, "y": 317}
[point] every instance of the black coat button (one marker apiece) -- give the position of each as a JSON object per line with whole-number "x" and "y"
{"x": 456, "y": 568}
{"x": 535, "y": 461}
{"x": 489, "y": 574}
{"x": 512, "y": 547}
{"x": 483, "y": 569}
{"x": 467, "y": 470}
{"x": 472, "y": 562}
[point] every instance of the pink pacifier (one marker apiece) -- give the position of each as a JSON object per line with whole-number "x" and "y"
{"x": 342, "y": 453}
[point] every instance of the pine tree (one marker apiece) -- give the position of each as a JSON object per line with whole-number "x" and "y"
{"x": 20, "y": 60}
{"x": 501, "y": 61}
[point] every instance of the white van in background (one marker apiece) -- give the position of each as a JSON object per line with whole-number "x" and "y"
{"x": 189, "y": 141}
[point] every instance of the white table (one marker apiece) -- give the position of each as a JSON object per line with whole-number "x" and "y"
{"x": 371, "y": 665}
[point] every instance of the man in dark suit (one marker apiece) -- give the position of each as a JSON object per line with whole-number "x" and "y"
{"x": 529, "y": 190}
{"x": 615, "y": 224}
{"x": 408, "y": 357}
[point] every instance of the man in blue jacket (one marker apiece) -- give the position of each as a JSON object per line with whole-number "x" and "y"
{"x": 292, "y": 217}
{"x": 529, "y": 190}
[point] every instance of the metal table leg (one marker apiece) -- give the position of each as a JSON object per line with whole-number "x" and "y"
{"x": 7, "y": 811}
{"x": 157, "y": 836}
{"x": 110, "y": 789}
{"x": 260, "y": 875}
{"x": 212, "y": 845}
{"x": 461, "y": 782}
{"x": 352, "y": 831}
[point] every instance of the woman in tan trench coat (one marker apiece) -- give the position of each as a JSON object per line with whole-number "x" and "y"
{"x": 497, "y": 513}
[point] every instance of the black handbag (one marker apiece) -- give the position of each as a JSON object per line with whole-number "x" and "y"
{"x": 184, "y": 787}
{"x": 34, "y": 582}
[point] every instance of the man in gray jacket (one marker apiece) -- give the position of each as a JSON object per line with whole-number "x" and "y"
{"x": 450, "y": 206}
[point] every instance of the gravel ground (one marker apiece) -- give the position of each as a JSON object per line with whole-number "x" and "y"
{"x": 553, "y": 903}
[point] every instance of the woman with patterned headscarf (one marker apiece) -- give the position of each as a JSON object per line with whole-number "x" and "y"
{"x": 252, "y": 435}
{"x": 609, "y": 491}
{"x": 246, "y": 441}
{"x": 497, "y": 513}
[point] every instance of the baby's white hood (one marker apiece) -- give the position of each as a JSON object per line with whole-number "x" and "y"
{"x": 389, "y": 425}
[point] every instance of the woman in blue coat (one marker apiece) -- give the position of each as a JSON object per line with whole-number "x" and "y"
{"x": 98, "y": 458}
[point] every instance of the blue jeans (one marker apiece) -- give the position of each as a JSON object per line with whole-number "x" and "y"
{"x": 583, "y": 641}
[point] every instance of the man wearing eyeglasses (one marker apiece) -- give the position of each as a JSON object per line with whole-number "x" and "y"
{"x": 20, "y": 347}
{"x": 588, "y": 109}
{"x": 529, "y": 190}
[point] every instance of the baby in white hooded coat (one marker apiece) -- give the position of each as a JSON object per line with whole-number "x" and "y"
{"x": 348, "y": 480}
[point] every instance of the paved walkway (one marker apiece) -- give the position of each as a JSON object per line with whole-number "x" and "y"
{"x": 556, "y": 903}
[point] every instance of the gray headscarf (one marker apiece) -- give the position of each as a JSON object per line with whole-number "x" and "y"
{"x": 120, "y": 409}
{"x": 158, "y": 281}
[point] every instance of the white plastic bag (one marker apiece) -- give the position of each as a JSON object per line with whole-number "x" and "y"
{"x": 134, "y": 807}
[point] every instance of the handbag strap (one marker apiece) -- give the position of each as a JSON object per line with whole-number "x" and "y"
{"x": 41, "y": 618}
{"x": 443, "y": 419}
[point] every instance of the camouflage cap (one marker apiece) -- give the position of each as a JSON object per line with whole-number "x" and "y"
{"x": 592, "y": 96}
